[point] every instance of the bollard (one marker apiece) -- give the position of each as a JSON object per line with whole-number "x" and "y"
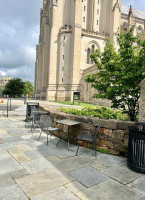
{"x": 25, "y": 100}
{"x": 7, "y": 108}
{"x": 10, "y": 104}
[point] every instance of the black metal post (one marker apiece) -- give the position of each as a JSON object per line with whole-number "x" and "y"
{"x": 7, "y": 108}
{"x": 10, "y": 104}
{"x": 25, "y": 100}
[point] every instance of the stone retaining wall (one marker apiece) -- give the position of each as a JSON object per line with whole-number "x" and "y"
{"x": 112, "y": 137}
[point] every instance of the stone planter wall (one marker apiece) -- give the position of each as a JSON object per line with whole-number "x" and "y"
{"x": 113, "y": 135}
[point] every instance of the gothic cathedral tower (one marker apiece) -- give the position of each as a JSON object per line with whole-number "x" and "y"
{"x": 69, "y": 31}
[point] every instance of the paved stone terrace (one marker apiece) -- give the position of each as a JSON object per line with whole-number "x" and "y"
{"x": 29, "y": 169}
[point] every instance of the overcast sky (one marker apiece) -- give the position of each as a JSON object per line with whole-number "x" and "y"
{"x": 19, "y": 31}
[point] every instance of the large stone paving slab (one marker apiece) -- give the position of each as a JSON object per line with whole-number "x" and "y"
{"x": 19, "y": 174}
{"x": 16, "y": 131}
{"x": 73, "y": 163}
{"x": 75, "y": 187}
{"x": 98, "y": 166}
{"x": 110, "y": 160}
{"x": 86, "y": 152}
{"x": 18, "y": 155}
{"x": 8, "y": 163}
{"x": 38, "y": 165}
{"x": 53, "y": 159}
{"x": 39, "y": 183}
{"x": 6, "y": 146}
{"x": 2, "y": 131}
{"x": 6, "y": 135}
{"x": 59, "y": 151}
{"x": 1, "y": 141}
{"x": 6, "y": 180}
{"x": 122, "y": 173}
{"x": 59, "y": 193}
{"x": 12, "y": 193}
{"x": 138, "y": 184}
{"x": 34, "y": 154}
{"x": 15, "y": 139}
{"x": 141, "y": 197}
{"x": 88, "y": 176}
{"x": 108, "y": 190}
{"x": 43, "y": 150}
{"x": 23, "y": 147}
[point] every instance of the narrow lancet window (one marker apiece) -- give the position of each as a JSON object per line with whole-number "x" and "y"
{"x": 88, "y": 56}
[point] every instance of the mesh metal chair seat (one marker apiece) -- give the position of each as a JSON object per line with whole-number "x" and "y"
{"x": 46, "y": 127}
{"x": 50, "y": 129}
{"x": 88, "y": 138}
{"x": 85, "y": 137}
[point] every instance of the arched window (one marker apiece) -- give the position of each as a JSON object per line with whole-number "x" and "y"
{"x": 140, "y": 32}
{"x": 124, "y": 26}
{"x": 92, "y": 51}
{"x": 88, "y": 56}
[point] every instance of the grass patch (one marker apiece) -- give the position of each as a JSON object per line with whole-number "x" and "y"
{"x": 102, "y": 150}
{"x": 75, "y": 103}
{"x": 125, "y": 145}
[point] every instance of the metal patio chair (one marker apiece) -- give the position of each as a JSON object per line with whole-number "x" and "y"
{"x": 46, "y": 127}
{"x": 36, "y": 121}
{"x": 88, "y": 138}
{"x": 31, "y": 116}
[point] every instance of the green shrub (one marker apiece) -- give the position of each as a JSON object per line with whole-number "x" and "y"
{"x": 96, "y": 111}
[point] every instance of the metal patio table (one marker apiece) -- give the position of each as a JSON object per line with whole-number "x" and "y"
{"x": 69, "y": 123}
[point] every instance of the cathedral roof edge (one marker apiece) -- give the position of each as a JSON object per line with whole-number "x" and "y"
{"x": 136, "y": 13}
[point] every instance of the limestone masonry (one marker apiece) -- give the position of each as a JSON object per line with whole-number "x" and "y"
{"x": 69, "y": 31}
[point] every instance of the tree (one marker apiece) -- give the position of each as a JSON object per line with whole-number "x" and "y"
{"x": 1, "y": 91}
{"x": 14, "y": 88}
{"x": 29, "y": 89}
{"x": 120, "y": 72}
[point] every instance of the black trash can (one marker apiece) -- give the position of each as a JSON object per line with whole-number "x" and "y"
{"x": 136, "y": 147}
{"x": 30, "y": 106}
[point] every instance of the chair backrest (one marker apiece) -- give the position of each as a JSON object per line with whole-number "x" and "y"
{"x": 37, "y": 117}
{"x": 96, "y": 132}
{"x": 33, "y": 111}
{"x": 46, "y": 120}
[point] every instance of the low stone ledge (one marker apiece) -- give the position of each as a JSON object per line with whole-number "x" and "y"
{"x": 113, "y": 135}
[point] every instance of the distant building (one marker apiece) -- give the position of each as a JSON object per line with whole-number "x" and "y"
{"x": 4, "y": 80}
{"x": 69, "y": 31}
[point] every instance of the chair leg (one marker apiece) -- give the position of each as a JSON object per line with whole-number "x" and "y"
{"x": 50, "y": 134}
{"x": 32, "y": 125}
{"x": 59, "y": 140}
{"x": 95, "y": 148}
{"x": 40, "y": 135}
{"x": 78, "y": 148}
{"x": 47, "y": 138}
{"x": 32, "y": 129}
{"x": 87, "y": 145}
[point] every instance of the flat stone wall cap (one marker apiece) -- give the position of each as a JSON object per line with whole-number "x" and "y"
{"x": 123, "y": 125}
{"x": 105, "y": 123}
{"x": 82, "y": 119}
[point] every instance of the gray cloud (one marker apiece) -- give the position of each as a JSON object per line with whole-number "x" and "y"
{"x": 139, "y": 5}
{"x": 19, "y": 30}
